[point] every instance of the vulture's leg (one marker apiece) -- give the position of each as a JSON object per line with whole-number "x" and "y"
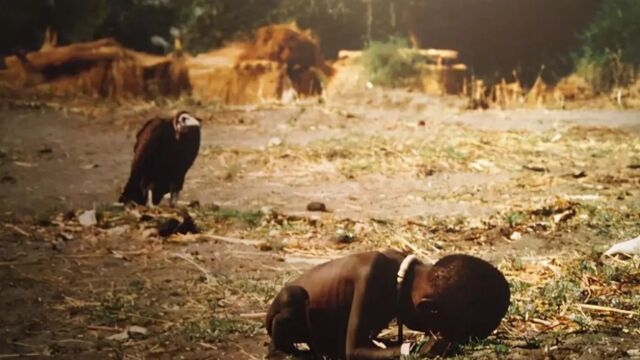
{"x": 173, "y": 199}
{"x": 150, "y": 198}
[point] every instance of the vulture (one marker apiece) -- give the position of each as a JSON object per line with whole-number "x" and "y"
{"x": 164, "y": 151}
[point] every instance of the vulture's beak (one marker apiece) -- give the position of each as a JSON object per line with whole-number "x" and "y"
{"x": 191, "y": 121}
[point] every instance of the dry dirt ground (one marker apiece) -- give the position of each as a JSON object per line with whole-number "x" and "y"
{"x": 539, "y": 193}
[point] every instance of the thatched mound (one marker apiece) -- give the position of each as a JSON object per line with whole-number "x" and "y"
{"x": 287, "y": 44}
{"x": 222, "y": 76}
{"x": 281, "y": 57}
{"x": 214, "y": 78}
{"x": 299, "y": 50}
{"x": 573, "y": 87}
{"x": 97, "y": 68}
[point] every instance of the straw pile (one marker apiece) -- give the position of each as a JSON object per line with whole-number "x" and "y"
{"x": 98, "y": 68}
{"x": 281, "y": 57}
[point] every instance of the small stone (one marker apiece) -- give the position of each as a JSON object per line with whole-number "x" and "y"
{"x": 45, "y": 150}
{"x": 64, "y": 236}
{"x": 314, "y": 220}
{"x": 579, "y": 174}
{"x": 516, "y": 235}
{"x": 633, "y": 352}
{"x": 274, "y": 141}
{"x": 58, "y": 245}
{"x": 213, "y": 207}
{"x": 422, "y": 123}
{"x": 359, "y": 228}
{"x": 8, "y": 179}
{"x": 137, "y": 332}
{"x": 149, "y": 233}
{"x": 274, "y": 233}
{"x": 88, "y": 218}
{"x": 343, "y": 237}
{"x": 69, "y": 215}
{"x": 266, "y": 210}
{"x": 316, "y": 206}
{"x": 118, "y": 230}
{"x": 145, "y": 218}
{"x": 123, "y": 336}
{"x": 194, "y": 204}
{"x": 44, "y": 221}
{"x": 475, "y": 223}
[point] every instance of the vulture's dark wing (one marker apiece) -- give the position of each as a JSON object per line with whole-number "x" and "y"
{"x": 149, "y": 140}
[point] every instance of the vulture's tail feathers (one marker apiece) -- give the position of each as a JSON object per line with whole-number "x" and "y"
{"x": 133, "y": 193}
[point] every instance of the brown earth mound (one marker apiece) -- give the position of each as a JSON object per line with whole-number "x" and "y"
{"x": 299, "y": 50}
{"x": 285, "y": 43}
{"x": 97, "y": 68}
{"x": 281, "y": 57}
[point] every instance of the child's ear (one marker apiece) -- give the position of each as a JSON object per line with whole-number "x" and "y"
{"x": 427, "y": 306}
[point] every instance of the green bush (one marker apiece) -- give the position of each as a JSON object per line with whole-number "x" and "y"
{"x": 389, "y": 67}
{"x": 610, "y": 50}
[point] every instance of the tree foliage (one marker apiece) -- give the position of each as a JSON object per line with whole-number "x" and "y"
{"x": 610, "y": 50}
{"x": 204, "y": 24}
{"x": 132, "y": 22}
{"x": 615, "y": 29}
{"x": 387, "y": 66}
{"x": 207, "y": 24}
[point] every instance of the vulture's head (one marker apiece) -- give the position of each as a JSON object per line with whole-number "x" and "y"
{"x": 183, "y": 122}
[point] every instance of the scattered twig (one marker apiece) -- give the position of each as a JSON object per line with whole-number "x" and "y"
{"x": 78, "y": 341}
{"x": 414, "y": 248}
{"x": 15, "y": 356}
{"x": 104, "y": 328}
{"x": 84, "y": 256}
{"x": 232, "y": 240}
{"x": 205, "y": 272}
{"x": 542, "y": 322}
{"x": 548, "y": 328}
{"x": 535, "y": 168}
{"x": 606, "y": 309}
{"x": 80, "y": 303}
{"x": 305, "y": 260}
{"x": 255, "y": 315}
{"x": 417, "y": 223}
{"x": 208, "y": 346}
{"x": 16, "y": 263}
{"x": 17, "y": 229}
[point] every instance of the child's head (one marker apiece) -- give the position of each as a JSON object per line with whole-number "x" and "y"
{"x": 468, "y": 298}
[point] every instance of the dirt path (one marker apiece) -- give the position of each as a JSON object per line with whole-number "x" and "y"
{"x": 61, "y": 162}
{"x": 524, "y": 187}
